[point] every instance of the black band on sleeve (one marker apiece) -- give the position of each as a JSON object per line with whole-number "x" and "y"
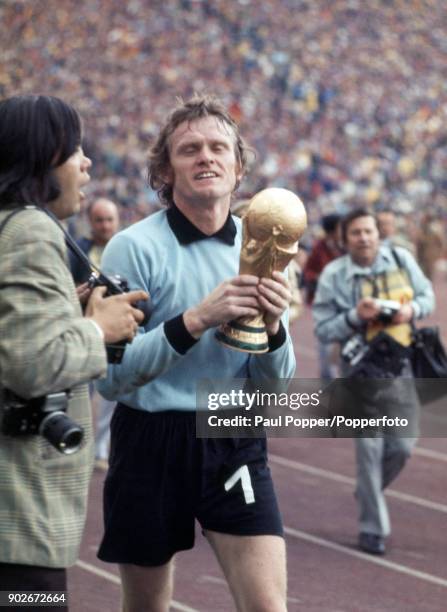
{"x": 178, "y": 336}
{"x": 278, "y": 339}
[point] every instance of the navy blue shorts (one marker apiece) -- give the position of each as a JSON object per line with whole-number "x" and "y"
{"x": 161, "y": 478}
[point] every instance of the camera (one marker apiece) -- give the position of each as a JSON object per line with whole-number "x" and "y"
{"x": 388, "y": 308}
{"x": 382, "y": 357}
{"x": 115, "y": 286}
{"x": 43, "y": 415}
{"x": 355, "y": 349}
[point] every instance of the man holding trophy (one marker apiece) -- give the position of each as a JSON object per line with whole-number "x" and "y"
{"x": 162, "y": 477}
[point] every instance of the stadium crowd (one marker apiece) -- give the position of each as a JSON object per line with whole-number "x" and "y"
{"x": 343, "y": 101}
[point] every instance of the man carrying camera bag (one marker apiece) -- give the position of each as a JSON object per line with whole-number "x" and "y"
{"x": 48, "y": 350}
{"x": 366, "y": 300}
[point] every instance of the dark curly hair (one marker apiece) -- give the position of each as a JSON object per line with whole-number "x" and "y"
{"x": 198, "y": 107}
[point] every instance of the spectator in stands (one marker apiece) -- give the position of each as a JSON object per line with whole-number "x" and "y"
{"x": 333, "y": 126}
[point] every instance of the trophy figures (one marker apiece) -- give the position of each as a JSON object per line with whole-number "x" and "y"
{"x": 272, "y": 225}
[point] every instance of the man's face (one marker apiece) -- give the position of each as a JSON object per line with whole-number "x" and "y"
{"x": 362, "y": 240}
{"x": 72, "y": 175}
{"x": 386, "y": 224}
{"x": 104, "y": 221}
{"x": 204, "y": 169}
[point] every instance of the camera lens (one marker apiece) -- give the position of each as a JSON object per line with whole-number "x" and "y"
{"x": 63, "y": 433}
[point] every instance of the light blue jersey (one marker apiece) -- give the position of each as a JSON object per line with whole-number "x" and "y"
{"x": 157, "y": 373}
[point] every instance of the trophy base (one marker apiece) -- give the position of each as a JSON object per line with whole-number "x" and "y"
{"x": 243, "y": 338}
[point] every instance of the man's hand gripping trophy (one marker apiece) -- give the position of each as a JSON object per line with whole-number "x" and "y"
{"x": 274, "y": 222}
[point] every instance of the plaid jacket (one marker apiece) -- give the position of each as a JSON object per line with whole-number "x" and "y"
{"x": 45, "y": 346}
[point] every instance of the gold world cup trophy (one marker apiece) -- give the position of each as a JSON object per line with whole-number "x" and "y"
{"x": 272, "y": 225}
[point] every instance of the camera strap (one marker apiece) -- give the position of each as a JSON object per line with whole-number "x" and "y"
{"x": 397, "y": 259}
{"x": 72, "y": 245}
{"x": 383, "y": 276}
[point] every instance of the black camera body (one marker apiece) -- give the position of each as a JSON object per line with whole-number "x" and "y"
{"x": 382, "y": 357}
{"x": 115, "y": 286}
{"x": 354, "y": 349}
{"x": 45, "y": 415}
{"x": 388, "y": 308}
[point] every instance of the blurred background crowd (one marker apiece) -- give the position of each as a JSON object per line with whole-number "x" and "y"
{"x": 344, "y": 101}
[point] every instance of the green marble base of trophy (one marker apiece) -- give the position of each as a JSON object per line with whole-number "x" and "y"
{"x": 247, "y": 334}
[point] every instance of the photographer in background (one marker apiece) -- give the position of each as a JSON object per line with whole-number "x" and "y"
{"x": 46, "y": 345}
{"x": 348, "y": 302}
